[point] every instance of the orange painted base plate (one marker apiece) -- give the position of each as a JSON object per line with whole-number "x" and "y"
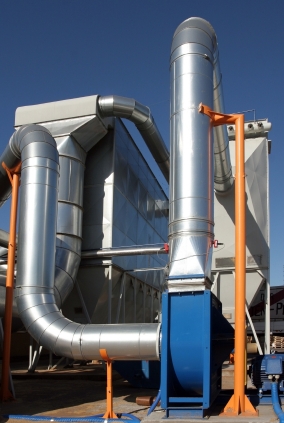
{"x": 249, "y": 410}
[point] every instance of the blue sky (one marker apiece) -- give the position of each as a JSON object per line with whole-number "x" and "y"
{"x": 57, "y": 49}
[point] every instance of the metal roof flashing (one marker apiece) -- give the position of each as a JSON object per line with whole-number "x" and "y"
{"x": 56, "y": 110}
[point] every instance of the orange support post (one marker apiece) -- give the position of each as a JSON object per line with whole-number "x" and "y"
{"x": 238, "y": 404}
{"x": 14, "y": 176}
{"x": 109, "y": 414}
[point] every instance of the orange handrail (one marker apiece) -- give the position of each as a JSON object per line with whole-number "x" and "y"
{"x": 238, "y": 404}
{"x": 14, "y": 176}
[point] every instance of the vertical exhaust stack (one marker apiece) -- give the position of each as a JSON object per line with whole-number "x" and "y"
{"x": 193, "y": 54}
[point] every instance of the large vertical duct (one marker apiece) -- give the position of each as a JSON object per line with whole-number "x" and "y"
{"x": 190, "y": 379}
{"x": 191, "y": 172}
{"x": 70, "y": 211}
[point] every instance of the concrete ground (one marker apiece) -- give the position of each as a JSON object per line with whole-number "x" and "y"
{"x": 80, "y": 391}
{"x": 70, "y": 392}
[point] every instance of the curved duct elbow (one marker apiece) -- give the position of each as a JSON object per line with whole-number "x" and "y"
{"x": 140, "y": 115}
{"x": 36, "y": 264}
{"x": 11, "y": 157}
{"x": 44, "y": 321}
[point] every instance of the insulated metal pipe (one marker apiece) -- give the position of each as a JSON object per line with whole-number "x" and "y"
{"x": 141, "y": 116}
{"x": 70, "y": 213}
{"x": 36, "y": 304}
{"x": 118, "y": 252}
{"x": 191, "y": 175}
{"x": 191, "y": 33}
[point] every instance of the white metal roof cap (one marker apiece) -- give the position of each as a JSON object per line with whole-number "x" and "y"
{"x": 56, "y": 110}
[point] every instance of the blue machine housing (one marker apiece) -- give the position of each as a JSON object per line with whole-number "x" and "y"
{"x": 196, "y": 339}
{"x": 265, "y": 365}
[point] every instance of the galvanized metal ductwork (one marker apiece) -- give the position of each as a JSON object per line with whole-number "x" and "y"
{"x": 36, "y": 148}
{"x": 70, "y": 214}
{"x": 141, "y": 116}
{"x": 190, "y": 33}
{"x": 194, "y": 60}
{"x": 191, "y": 205}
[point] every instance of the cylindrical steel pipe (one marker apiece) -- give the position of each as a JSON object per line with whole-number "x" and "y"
{"x": 124, "y": 251}
{"x": 191, "y": 176}
{"x": 141, "y": 116}
{"x": 118, "y": 252}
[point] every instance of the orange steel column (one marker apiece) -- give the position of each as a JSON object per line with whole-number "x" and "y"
{"x": 14, "y": 176}
{"x": 238, "y": 404}
{"x": 109, "y": 414}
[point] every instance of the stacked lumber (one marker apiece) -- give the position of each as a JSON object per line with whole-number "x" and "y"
{"x": 277, "y": 343}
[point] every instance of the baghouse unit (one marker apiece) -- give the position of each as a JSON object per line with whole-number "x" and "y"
{"x": 92, "y": 212}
